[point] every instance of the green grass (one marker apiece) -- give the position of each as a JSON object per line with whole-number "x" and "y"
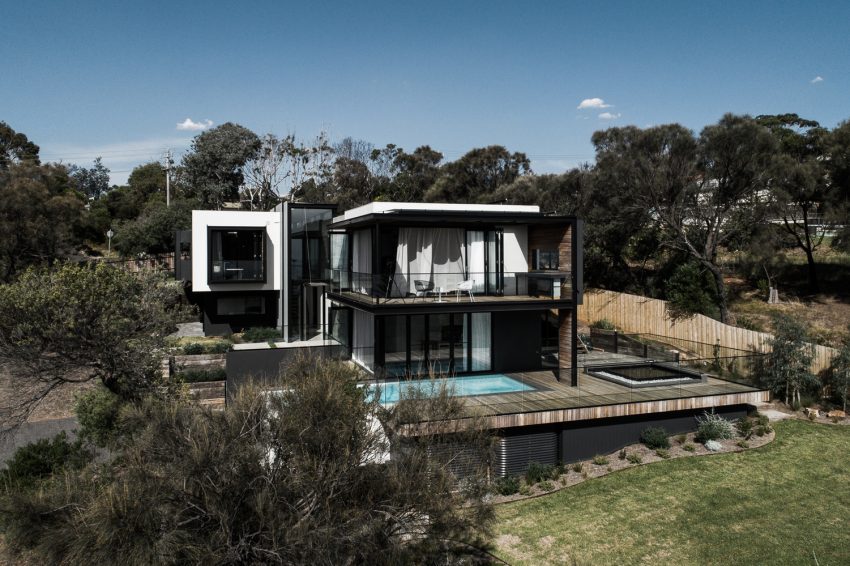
{"x": 773, "y": 505}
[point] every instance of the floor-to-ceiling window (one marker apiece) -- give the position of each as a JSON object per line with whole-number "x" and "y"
{"x": 395, "y": 345}
{"x": 440, "y": 343}
{"x": 418, "y": 343}
{"x": 309, "y": 260}
{"x": 480, "y": 341}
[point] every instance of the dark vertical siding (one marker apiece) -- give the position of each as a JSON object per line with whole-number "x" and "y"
{"x": 516, "y": 341}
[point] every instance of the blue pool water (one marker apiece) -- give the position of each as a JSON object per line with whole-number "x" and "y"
{"x": 460, "y": 386}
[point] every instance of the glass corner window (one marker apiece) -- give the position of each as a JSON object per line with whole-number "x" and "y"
{"x": 237, "y": 255}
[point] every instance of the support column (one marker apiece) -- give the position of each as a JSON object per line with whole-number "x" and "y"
{"x": 567, "y": 346}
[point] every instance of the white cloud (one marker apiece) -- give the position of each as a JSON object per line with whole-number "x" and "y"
{"x": 609, "y": 116}
{"x": 593, "y": 103}
{"x": 188, "y": 124}
{"x": 817, "y": 79}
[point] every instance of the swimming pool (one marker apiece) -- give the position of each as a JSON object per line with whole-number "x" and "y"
{"x": 465, "y": 386}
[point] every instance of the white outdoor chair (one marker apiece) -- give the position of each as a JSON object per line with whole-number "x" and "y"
{"x": 464, "y": 286}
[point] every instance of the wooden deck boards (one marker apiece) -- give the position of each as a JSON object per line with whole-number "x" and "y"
{"x": 554, "y": 401}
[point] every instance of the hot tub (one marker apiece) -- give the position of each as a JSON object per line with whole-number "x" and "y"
{"x": 647, "y": 374}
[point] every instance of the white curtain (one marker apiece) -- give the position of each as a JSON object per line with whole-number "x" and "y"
{"x": 475, "y": 259}
{"x": 361, "y": 259}
{"x": 437, "y": 255}
{"x": 449, "y": 257}
{"x": 363, "y": 338}
{"x": 481, "y": 342}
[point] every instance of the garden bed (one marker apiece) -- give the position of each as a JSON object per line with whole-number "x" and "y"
{"x": 681, "y": 446}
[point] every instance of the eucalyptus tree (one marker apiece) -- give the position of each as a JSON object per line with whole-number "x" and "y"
{"x": 703, "y": 192}
{"x": 800, "y": 186}
{"x": 478, "y": 173}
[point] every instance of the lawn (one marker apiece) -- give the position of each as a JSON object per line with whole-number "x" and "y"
{"x": 774, "y": 505}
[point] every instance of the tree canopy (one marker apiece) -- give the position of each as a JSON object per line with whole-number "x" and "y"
{"x": 15, "y": 147}
{"x": 213, "y": 169}
{"x": 76, "y": 323}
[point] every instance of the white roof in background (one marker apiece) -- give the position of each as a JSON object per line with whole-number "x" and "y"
{"x": 389, "y": 207}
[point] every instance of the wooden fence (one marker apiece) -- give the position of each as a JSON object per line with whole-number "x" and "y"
{"x": 642, "y": 315}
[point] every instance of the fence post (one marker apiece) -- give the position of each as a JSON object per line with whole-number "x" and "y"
{"x": 616, "y": 346}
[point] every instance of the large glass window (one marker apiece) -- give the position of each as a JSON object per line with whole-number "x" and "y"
{"x": 237, "y": 255}
{"x": 481, "y": 341}
{"x": 309, "y": 257}
{"x": 395, "y": 345}
{"x": 418, "y": 344}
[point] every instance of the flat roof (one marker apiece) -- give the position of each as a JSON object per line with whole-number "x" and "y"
{"x": 374, "y": 208}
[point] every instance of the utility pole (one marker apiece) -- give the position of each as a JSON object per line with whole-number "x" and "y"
{"x": 168, "y": 164}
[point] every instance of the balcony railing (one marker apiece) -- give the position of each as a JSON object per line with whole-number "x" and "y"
{"x": 246, "y": 270}
{"x": 455, "y": 287}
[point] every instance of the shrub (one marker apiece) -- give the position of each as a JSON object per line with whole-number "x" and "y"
{"x": 537, "y": 472}
{"x": 689, "y": 447}
{"x": 558, "y": 471}
{"x": 603, "y": 324}
{"x": 524, "y": 490}
{"x": 508, "y": 485}
{"x": 743, "y": 444}
{"x": 97, "y": 412}
{"x": 655, "y": 437}
{"x": 622, "y": 454}
{"x": 200, "y": 375}
{"x": 682, "y": 438}
{"x": 193, "y": 348}
{"x": 763, "y": 430}
{"x": 600, "y": 460}
{"x": 578, "y": 467}
{"x": 207, "y": 347}
{"x": 634, "y": 458}
{"x": 44, "y": 458}
{"x": 260, "y": 334}
{"x": 546, "y": 485}
{"x": 745, "y": 427}
{"x": 762, "y": 420}
{"x": 662, "y": 453}
{"x": 713, "y": 427}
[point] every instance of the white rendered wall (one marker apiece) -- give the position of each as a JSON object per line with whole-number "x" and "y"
{"x": 203, "y": 219}
{"x": 515, "y": 246}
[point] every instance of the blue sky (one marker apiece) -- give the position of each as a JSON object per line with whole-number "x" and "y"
{"x": 83, "y": 79}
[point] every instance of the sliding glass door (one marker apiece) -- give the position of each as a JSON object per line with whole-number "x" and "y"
{"x": 446, "y": 343}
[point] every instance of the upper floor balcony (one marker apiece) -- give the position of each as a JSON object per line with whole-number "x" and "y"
{"x": 451, "y": 287}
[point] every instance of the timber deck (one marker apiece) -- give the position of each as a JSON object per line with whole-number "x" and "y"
{"x": 553, "y": 401}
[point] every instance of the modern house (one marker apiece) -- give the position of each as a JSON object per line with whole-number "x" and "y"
{"x": 486, "y": 295}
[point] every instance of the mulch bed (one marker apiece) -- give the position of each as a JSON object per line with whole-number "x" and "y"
{"x": 589, "y": 470}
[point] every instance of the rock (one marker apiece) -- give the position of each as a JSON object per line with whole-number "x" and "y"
{"x": 713, "y": 445}
{"x": 837, "y": 414}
